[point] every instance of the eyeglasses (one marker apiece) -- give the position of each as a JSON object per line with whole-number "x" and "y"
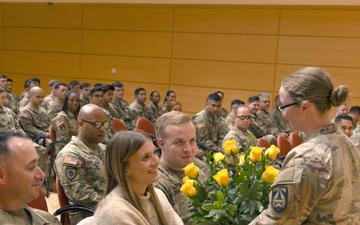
{"x": 98, "y": 124}
{"x": 281, "y": 108}
{"x": 244, "y": 117}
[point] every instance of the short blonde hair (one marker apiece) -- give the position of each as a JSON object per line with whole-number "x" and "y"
{"x": 171, "y": 118}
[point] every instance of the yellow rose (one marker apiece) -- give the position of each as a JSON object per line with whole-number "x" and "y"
{"x": 188, "y": 189}
{"x": 218, "y": 156}
{"x": 270, "y": 174}
{"x": 241, "y": 159}
{"x": 230, "y": 147}
{"x": 222, "y": 177}
{"x": 186, "y": 179}
{"x": 255, "y": 154}
{"x": 272, "y": 152}
{"x": 191, "y": 171}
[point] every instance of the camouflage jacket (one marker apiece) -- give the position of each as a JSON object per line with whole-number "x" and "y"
{"x": 123, "y": 107}
{"x": 154, "y": 112}
{"x": 282, "y": 123}
{"x": 242, "y": 139}
{"x": 65, "y": 126}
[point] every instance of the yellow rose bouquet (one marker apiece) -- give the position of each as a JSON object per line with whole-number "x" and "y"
{"x": 238, "y": 187}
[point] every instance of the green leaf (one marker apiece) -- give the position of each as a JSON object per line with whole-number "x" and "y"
{"x": 209, "y": 206}
{"x": 220, "y": 196}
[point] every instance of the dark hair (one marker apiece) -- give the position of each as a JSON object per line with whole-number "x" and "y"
{"x": 28, "y": 82}
{"x": 84, "y": 85}
{"x": 355, "y": 110}
{"x": 53, "y": 82}
{"x": 4, "y": 146}
{"x": 152, "y": 93}
{"x": 9, "y": 79}
{"x": 168, "y": 93}
{"x": 237, "y": 102}
{"x": 2, "y": 76}
{"x": 107, "y": 87}
{"x": 57, "y": 86}
{"x": 214, "y": 97}
{"x": 117, "y": 84}
{"x": 343, "y": 117}
{"x": 277, "y": 98}
{"x": 220, "y": 92}
{"x": 253, "y": 99}
{"x": 98, "y": 85}
{"x": 95, "y": 89}
{"x": 72, "y": 84}
{"x": 66, "y": 102}
{"x": 137, "y": 90}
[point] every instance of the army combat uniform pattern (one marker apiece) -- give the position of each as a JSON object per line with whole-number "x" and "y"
{"x": 123, "y": 107}
{"x": 281, "y": 121}
{"x": 81, "y": 173}
{"x": 154, "y": 112}
{"x": 138, "y": 110}
{"x": 319, "y": 183}
{"x": 65, "y": 125}
{"x": 242, "y": 139}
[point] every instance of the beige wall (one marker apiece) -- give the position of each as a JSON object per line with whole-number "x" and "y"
{"x": 194, "y": 50}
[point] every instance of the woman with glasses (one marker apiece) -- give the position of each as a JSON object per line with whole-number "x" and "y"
{"x": 320, "y": 178}
{"x": 131, "y": 169}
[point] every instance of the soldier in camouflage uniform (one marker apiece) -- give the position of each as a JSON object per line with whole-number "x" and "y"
{"x": 280, "y": 121}
{"x": 84, "y": 93}
{"x": 177, "y": 140}
{"x": 319, "y": 181}
{"x": 354, "y": 112}
{"x": 345, "y": 124}
{"x": 12, "y": 100}
{"x": 240, "y": 132}
{"x": 57, "y": 105}
{"x": 65, "y": 123}
{"x": 170, "y": 96}
{"x": 154, "y": 111}
{"x": 108, "y": 91}
{"x": 210, "y": 127}
{"x": 80, "y": 164}
{"x": 51, "y": 96}
{"x": 34, "y": 118}
{"x": 230, "y": 118}
{"x": 122, "y": 106}
{"x": 224, "y": 113}
{"x": 25, "y": 98}
{"x": 255, "y": 128}
{"x": 20, "y": 182}
{"x": 138, "y": 107}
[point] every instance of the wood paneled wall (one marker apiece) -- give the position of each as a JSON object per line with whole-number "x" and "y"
{"x": 194, "y": 50}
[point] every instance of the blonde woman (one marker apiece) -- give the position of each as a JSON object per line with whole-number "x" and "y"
{"x": 131, "y": 169}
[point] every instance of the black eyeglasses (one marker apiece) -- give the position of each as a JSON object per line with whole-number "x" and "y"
{"x": 244, "y": 117}
{"x": 98, "y": 124}
{"x": 281, "y": 108}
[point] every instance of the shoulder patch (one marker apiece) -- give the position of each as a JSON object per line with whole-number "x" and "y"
{"x": 279, "y": 198}
{"x": 71, "y": 172}
{"x": 24, "y": 115}
{"x": 201, "y": 125}
{"x": 59, "y": 123}
{"x": 70, "y": 160}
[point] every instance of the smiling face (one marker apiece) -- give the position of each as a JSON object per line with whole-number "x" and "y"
{"x": 254, "y": 106}
{"x": 242, "y": 120}
{"x": 178, "y": 145}
{"x": 345, "y": 126}
{"x": 142, "y": 167}
{"x": 22, "y": 165}
{"x": 74, "y": 102}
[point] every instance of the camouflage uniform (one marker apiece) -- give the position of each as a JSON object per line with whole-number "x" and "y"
{"x": 163, "y": 107}
{"x": 123, "y": 107}
{"x": 138, "y": 110}
{"x": 35, "y": 120}
{"x": 83, "y": 101}
{"x": 230, "y": 121}
{"x": 81, "y": 172}
{"x": 65, "y": 125}
{"x": 47, "y": 100}
{"x": 242, "y": 139}
{"x": 282, "y": 123}
{"x": 12, "y": 102}
{"x": 357, "y": 129}
{"x": 170, "y": 183}
{"x": 112, "y": 110}
{"x": 319, "y": 183}
{"x": 224, "y": 113}
{"x": 110, "y": 131}
{"x": 8, "y": 121}
{"x": 210, "y": 130}
{"x": 23, "y": 102}
{"x": 36, "y": 216}
{"x": 154, "y": 112}
{"x": 261, "y": 131}
{"x": 264, "y": 118}
{"x": 54, "y": 108}
{"x": 23, "y": 94}
{"x": 356, "y": 139}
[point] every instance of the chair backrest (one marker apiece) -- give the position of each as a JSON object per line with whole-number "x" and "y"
{"x": 39, "y": 202}
{"x": 63, "y": 201}
{"x": 295, "y": 139}
{"x": 145, "y": 125}
{"x": 118, "y": 125}
{"x": 52, "y": 134}
{"x": 264, "y": 143}
{"x": 284, "y": 145}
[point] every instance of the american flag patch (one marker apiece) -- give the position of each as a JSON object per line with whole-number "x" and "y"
{"x": 70, "y": 160}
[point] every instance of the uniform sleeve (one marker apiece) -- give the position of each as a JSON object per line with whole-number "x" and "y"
{"x": 294, "y": 195}
{"x": 51, "y": 111}
{"x": 27, "y": 122}
{"x": 72, "y": 175}
{"x": 203, "y": 136}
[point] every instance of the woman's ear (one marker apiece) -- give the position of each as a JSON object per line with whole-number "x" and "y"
{"x": 306, "y": 106}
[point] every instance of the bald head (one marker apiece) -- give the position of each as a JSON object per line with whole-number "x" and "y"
{"x": 89, "y": 111}
{"x": 35, "y": 90}
{"x": 36, "y": 95}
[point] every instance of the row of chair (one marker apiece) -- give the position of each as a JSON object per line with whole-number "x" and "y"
{"x": 283, "y": 143}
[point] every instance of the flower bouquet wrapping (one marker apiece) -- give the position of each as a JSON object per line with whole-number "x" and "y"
{"x": 238, "y": 188}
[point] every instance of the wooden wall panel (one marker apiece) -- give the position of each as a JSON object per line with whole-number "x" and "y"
{"x": 44, "y": 15}
{"x": 319, "y": 22}
{"x": 228, "y": 75}
{"x": 246, "y": 48}
{"x": 218, "y": 20}
{"x": 321, "y": 51}
{"x": 136, "y": 69}
{"x": 49, "y": 40}
{"x": 128, "y": 18}
{"x": 38, "y": 63}
{"x": 151, "y": 44}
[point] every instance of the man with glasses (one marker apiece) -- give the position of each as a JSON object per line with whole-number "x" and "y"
{"x": 239, "y": 132}
{"x": 79, "y": 165}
